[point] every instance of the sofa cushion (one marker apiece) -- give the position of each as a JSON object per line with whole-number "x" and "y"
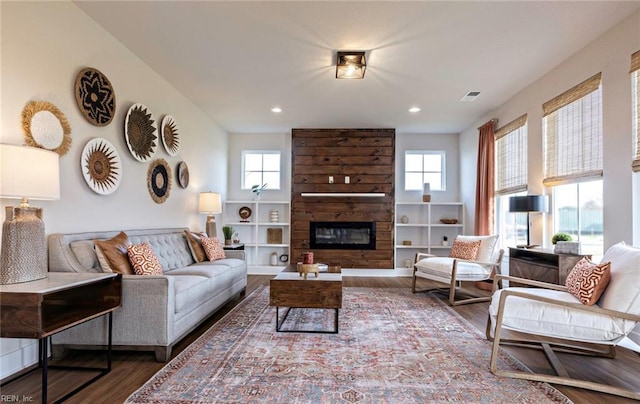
{"x": 144, "y": 260}
{"x": 587, "y": 281}
{"x": 191, "y": 291}
{"x": 465, "y": 250}
{"x": 623, "y": 292}
{"x": 195, "y": 245}
{"x": 112, "y": 254}
{"x": 487, "y": 246}
{"x": 85, "y": 253}
{"x": 213, "y": 248}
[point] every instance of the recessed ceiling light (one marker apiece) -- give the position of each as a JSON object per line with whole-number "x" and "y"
{"x": 276, "y": 110}
{"x": 413, "y": 110}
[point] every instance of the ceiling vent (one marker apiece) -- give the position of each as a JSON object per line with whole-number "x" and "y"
{"x": 470, "y": 96}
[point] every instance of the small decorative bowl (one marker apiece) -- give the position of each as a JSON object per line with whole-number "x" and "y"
{"x": 449, "y": 221}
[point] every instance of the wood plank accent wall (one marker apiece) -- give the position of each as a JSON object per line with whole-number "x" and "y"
{"x": 367, "y": 156}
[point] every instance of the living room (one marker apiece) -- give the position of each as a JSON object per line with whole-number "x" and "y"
{"x": 45, "y": 44}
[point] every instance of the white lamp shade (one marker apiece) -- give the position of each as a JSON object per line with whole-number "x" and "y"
{"x": 29, "y": 172}
{"x": 210, "y": 203}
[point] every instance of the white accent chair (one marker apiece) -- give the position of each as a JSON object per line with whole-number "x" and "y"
{"x": 453, "y": 271}
{"x": 558, "y": 321}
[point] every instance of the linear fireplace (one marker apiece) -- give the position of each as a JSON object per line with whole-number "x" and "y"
{"x": 342, "y": 235}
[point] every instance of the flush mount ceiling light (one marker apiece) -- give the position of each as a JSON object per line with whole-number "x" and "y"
{"x": 414, "y": 110}
{"x": 350, "y": 65}
{"x": 276, "y": 110}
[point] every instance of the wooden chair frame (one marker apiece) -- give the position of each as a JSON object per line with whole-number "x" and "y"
{"x": 558, "y": 345}
{"x": 454, "y": 284}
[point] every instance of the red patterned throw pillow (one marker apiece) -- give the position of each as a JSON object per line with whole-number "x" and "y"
{"x": 587, "y": 281}
{"x": 213, "y": 248}
{"x": 144, "y": 260}
{"x": 465, "y": 250}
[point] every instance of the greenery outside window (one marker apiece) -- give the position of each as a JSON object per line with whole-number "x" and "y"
{"x": 421, "y": 166}
{"x": 261, "y": 167}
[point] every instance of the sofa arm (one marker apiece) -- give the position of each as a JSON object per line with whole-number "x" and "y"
{"x": 238, "y": 254}
{"x": 145, "y": 318}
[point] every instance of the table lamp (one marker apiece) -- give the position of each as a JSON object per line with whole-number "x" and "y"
{"x": 210, "y": 204}
{"x": 26, "y": 172}
{"x": 528, "y": 204}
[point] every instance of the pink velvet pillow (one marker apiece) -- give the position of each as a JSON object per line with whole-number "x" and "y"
{"x": 587, "y": 281}
{"x": 143, "y": 260}
{"x": 213, "y": 248}
{"x": 465, "y": 250}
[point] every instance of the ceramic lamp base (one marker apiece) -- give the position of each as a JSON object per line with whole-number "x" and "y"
{"x": 24, "y": 246}
{"x": 426, "y": 198}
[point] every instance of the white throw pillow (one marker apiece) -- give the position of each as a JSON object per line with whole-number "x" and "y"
{"x": 623, "y": 292}
{"x": 487, "y": 245}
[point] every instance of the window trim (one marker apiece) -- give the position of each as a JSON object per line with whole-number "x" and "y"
{"x": 244, "y": 186}
{"x": 442, "y": 172}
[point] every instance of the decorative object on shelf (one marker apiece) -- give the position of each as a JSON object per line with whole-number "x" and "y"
{"x": 284, "y": 257}
{"x": 528, "y": 204}
{"x": 426, "y": 192}
{"x": 448, "y": 221}
{"x": 404, "y": 219}
{"x": 445, "y": 241}
{"x": 307, "y": 257}
{"x": 407, "y": 263}
{"x": 306, "y": 269}
{"x": 210, "y": 203}
{"x": 406, "y": 242}
{"x": 228, "y": 234}
{"x": 170, "y": 135}
{"x": 236, "y": 238}
{"x": 274, "y": 216}
{"x": 182, "y": 175}
{"x": 245, "y": 214}
{"x": 140, "y": 132}
{"x": 101, "y": 166}
{"x": 95, "y": 97}
{"x": 567, "y": 247}
{"x": 274, "y": 259}
{"x": 45, "y": 126}
{"x": 257, "y": 190}
{"x": 159, "y": 180}
{"x": 26, "y": 172}
{"x": 274, "y": 235}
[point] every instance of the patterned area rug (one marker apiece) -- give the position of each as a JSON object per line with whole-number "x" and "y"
{"x": 393, "y": 347}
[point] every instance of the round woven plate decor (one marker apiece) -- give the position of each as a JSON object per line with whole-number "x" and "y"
{"x": 159, "y": 180}
{"x": 182, "y": 174}
{"x": 140, "y": 132}
{"x": 170, "y": 135}
{"x": 95, "y": 97}
{"x": 101, "y": 166}
{"x": 45, "y": 126}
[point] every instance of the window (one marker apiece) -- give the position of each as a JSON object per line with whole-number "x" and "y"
{"x": 424, "y": 166}
{"x": 261, "y": 167}
{"x": 511, "y": 180}
{"x": 572, "y": 127}
{"x": 577, "y": 210}
{"x": 635, "y": 88}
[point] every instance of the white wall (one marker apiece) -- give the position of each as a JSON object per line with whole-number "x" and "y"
{"x": 611, "y": 55}
{"x": 44, "y": 45}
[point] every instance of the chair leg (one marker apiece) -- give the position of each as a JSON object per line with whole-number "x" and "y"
{"x": 564, "y": 377}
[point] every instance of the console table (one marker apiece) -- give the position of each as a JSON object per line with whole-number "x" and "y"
{"x": 39, "y": 309}
{"x": 541, "y": 264}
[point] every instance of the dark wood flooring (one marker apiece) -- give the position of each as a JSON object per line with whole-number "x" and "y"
{"x": 132, "y": 369}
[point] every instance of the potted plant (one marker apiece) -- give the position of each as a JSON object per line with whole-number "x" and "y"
{"x": 228, "y": 234}
{"x": 257, "y": 189}
{"x": 561, "y": 237}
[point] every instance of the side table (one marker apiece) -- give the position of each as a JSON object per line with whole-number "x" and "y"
{"x": 41, "y": 308}
{"x": 542, "y": 264}
{"x": 233, "y": 247}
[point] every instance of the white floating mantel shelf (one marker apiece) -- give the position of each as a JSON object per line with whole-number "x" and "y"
{"x": 344, "y": 194}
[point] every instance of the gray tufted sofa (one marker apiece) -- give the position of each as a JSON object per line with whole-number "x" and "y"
{"x": 157, "y": 310}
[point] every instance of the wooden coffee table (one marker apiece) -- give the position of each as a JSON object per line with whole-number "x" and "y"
{"x": 289, "y": 289}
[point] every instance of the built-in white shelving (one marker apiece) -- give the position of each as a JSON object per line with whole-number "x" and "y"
{"x": 424, "y": 229}
{"x": 253, "y": 232}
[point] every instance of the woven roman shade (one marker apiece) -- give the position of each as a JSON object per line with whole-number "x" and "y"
{"x": 572, "y": 126}
{"x": 635, "y": 88}
{"x": 511, "y": 157}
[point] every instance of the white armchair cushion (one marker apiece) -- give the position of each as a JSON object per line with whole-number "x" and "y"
{"x": 557, "y": 321}
{"x": 441, "y": 268}
{"x": 623, "y": 292}
{"x": 487, "y": 246}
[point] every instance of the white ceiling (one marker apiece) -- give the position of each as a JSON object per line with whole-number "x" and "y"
{"x": 237, "y": 60}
